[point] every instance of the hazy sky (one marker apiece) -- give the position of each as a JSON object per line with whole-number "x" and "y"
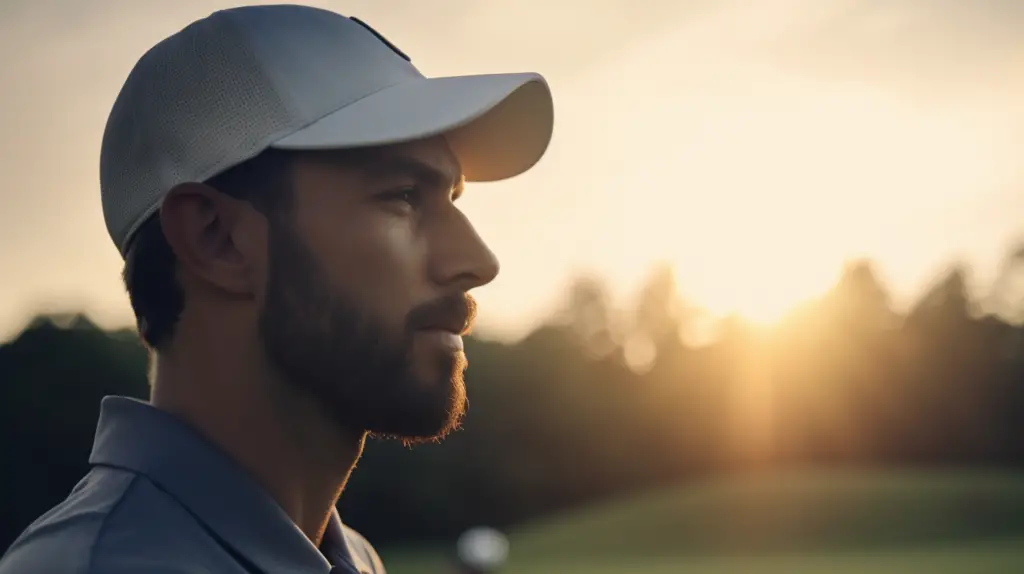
{"x": 754, "y": 144}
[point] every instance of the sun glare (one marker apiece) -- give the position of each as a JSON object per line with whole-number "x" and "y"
{"x": 758, "y": 199}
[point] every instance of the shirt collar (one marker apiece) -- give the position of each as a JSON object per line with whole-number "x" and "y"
{"x": 138, "y": 437}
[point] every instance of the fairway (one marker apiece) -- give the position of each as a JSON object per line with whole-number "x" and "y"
{"x": 969, "y": 522}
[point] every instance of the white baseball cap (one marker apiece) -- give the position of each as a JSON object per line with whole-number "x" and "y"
{"x": 242, "y": 80}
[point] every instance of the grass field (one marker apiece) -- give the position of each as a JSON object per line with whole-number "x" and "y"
{"x": 877, "y": 523}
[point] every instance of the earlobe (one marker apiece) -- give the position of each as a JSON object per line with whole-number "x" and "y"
{"x": 201, "y": 226}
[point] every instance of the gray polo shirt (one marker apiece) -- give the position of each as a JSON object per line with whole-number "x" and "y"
{"x": 161, "y": 499}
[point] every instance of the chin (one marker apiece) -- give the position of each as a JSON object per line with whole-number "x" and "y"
{"x": 429, "y": 413}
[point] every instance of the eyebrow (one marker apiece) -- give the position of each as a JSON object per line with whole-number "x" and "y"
{"x": 422, "y": 172}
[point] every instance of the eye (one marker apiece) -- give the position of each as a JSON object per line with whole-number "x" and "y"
{"x": 410, "y": 195}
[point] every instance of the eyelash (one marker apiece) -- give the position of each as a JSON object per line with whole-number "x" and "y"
{"x": 409, "y": 195}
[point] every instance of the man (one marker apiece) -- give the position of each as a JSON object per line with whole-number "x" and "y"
{"x": 281, "y": 183}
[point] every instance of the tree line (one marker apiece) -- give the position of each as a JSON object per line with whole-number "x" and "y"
{"x": 596, "y": 403}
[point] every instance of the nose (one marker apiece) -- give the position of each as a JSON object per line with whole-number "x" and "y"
{"x": 460, "y": 259}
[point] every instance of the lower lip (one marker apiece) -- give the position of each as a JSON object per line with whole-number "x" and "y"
{"x": 441, "y": 338}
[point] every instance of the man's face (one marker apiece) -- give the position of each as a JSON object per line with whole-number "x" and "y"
{"x": 367, "y": 290}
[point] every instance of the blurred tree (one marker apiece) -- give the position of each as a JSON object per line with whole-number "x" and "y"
{"x": 860, "y": 301}
{"x": 946, "y": 306}
{"x": 1006, "y": 296}
{"x": 589, "y": 316}
{"x": 1006, "y": 300}
{"x": 52, "y": 377}
{"x": 659, "y": 314}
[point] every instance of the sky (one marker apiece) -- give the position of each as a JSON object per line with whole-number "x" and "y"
{"x": 755, "y": 146}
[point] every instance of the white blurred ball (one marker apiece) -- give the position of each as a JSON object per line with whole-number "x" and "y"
{"x": 482, "y": 548}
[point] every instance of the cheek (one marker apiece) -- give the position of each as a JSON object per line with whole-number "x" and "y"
{"x": 377, "y": 259}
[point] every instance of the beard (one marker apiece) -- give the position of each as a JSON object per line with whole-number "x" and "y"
{"x": 355, "y": 366}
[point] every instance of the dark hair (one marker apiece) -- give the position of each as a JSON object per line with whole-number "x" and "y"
{"x": 150, "y": 268}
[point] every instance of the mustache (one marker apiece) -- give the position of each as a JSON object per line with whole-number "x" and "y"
{"x": 455, "y": 312}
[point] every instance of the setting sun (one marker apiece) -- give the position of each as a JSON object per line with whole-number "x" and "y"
{"x": 758, "y": 189}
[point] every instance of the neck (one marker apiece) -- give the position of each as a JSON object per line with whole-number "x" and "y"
{"x": 281, "y": 438}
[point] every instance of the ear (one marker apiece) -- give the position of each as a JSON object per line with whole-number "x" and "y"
{"x": 213, "y": 237}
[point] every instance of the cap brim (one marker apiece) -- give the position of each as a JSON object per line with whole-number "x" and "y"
{"x": 497, "y": 125}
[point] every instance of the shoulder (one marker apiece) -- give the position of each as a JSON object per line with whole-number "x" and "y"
{"x": 62, "y": 540}
{"x": 113, "y": 522}
{"x": 363, "y": 551}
